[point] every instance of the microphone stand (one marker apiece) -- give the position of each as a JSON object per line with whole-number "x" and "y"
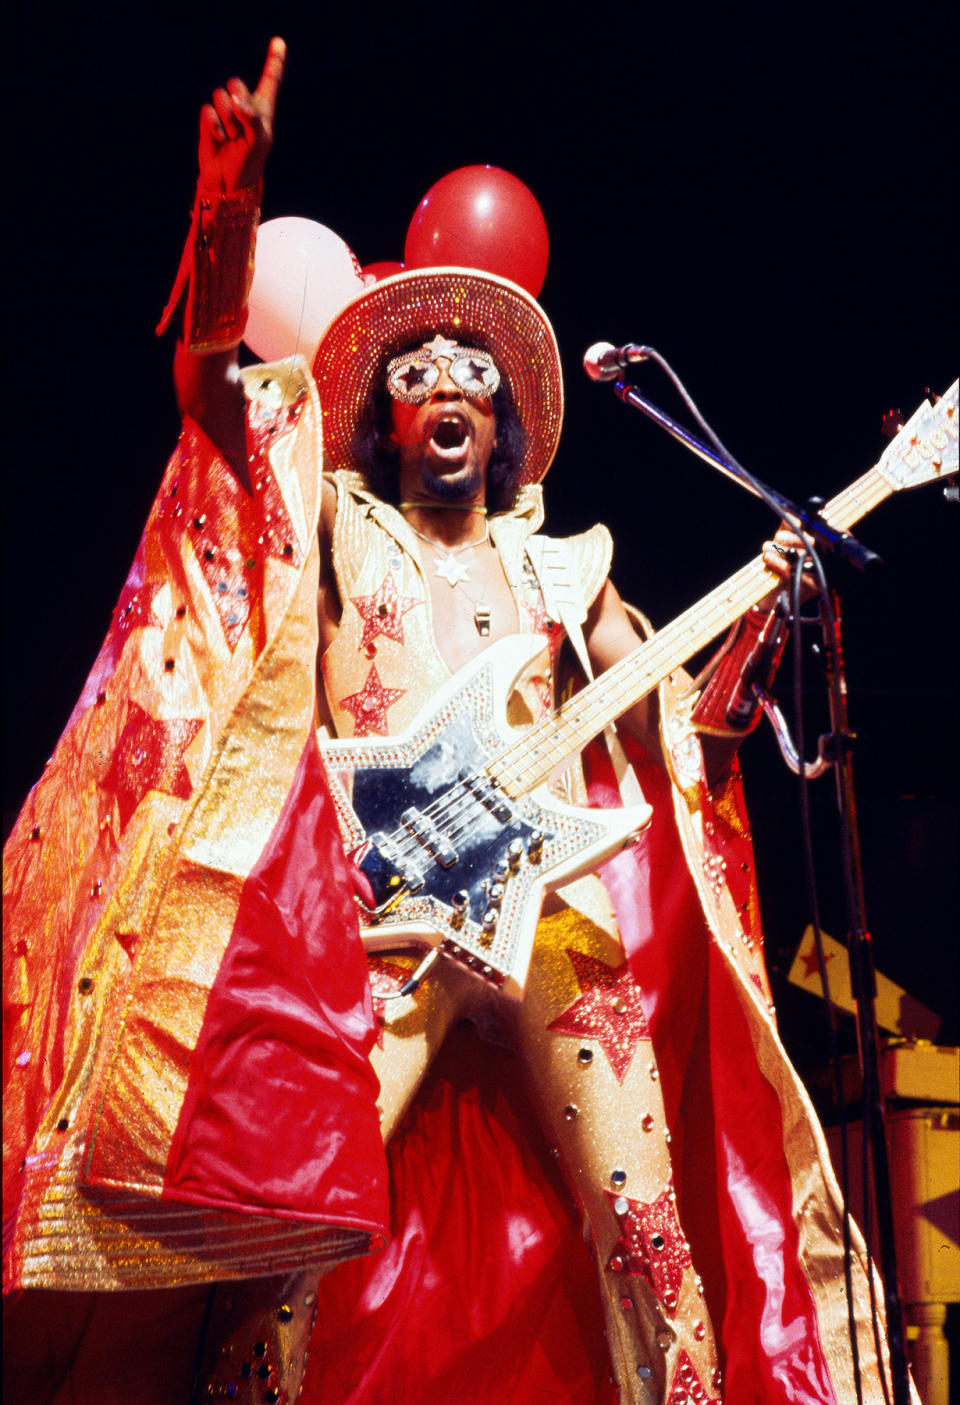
{"x": 807, "y": 521}
{"x": 803, "y": 519}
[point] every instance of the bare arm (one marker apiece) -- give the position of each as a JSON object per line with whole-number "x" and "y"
{"x": 236, "y": 134}
{"x": 610, "y": 636}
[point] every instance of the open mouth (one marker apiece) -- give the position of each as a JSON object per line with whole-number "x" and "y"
{"x": 449, "y": 434}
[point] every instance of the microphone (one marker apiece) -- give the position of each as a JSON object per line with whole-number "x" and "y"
{"x": 602, "y": 362}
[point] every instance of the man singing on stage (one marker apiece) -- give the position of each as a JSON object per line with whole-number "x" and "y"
{"x": 203, "y": 1064}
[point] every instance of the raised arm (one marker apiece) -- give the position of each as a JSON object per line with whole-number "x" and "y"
{"x": 236, "y": 134}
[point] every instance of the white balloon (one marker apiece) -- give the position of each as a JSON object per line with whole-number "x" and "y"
{"x": 303, "y": 275}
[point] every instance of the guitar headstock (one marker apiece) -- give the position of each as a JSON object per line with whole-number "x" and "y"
{"x": 925, "y": 449}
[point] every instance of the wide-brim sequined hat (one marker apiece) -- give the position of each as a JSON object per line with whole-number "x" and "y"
{"x": 471, "y": 307}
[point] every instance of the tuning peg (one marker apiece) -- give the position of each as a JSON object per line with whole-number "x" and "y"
{"x": 891, "y": 423}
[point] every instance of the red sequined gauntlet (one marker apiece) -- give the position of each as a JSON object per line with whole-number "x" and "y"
{"x": 728, "y": 705}
{"x": 215, "y": 270}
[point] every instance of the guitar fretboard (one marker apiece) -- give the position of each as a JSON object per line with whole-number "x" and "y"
{"x": 529, "y": 762}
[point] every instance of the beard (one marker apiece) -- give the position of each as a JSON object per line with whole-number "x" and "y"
{"x": 452, "y": 490}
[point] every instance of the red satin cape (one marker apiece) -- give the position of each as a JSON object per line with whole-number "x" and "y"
{"x": 487, "y": 1291}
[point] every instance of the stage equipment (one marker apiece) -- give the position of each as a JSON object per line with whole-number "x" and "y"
{"x": 930, "y": 440}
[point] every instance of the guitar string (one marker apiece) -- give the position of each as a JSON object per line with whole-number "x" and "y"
{"x": 510, "y": 765}
{"x": 584, "y": 722}
{"x": 407, "y": 843}
{"x": 846, "y": 508}
{"x": 453, "y": 809}
{"x": 601, "y": 699}
{"x": 446, "y": 813}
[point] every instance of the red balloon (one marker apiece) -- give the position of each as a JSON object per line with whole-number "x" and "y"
{"x": 481, "y": 217}
{"x": 386, "y": 268}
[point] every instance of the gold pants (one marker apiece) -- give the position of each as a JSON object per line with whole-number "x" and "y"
{"x": 600, "y": 1106}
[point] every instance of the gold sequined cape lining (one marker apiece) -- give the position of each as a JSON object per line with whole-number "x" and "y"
{"x": 116, "y": 919}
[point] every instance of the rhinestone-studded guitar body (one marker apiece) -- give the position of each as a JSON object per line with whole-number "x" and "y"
{"x": 451, "y": 822}
{"x": 452, "y": 858}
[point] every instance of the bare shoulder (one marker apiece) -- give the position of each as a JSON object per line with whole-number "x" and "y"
{"x": 611, "y": 636}
{"x": 609, "y": 630}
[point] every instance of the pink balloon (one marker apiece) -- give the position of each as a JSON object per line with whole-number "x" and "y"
{"x": 374, "y": 272}
{"x": 304, "y": 274}
{"x": 481, "y": 217}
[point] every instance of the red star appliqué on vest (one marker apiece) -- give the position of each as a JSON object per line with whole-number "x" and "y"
{"x": 369, "y": 706}
{"x": 383, "y": 612}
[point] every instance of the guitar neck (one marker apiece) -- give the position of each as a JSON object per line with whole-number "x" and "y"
{"x": 529, "y": 762}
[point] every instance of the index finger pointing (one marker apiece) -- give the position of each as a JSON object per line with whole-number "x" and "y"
{"x": 271, "y": 77}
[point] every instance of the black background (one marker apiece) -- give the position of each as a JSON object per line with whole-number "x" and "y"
{"x": 768, "y": 197}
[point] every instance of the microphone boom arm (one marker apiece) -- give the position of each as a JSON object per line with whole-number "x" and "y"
{"x": 801, "y": 519}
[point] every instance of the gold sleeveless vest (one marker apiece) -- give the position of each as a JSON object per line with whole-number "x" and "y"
{"x": 384, "y": 665}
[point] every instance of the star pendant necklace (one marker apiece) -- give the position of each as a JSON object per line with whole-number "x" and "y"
{"x": 455, "y": 572}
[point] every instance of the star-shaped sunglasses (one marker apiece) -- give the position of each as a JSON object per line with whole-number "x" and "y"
{"x": 412, "y": 375}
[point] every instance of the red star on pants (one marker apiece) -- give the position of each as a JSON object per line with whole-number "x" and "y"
{"x": 383, "y": 612}
{"x": 609, "y": 1010}
{"x": 149, "y": 756}
{"x": 385, "y": 978}
{"x": 651, "y": 1245}
{"x": 684, "y": 1379}
{"x": 369, "y": 706}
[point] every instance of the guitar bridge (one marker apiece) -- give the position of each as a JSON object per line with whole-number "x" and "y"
{"x": 390, "y": 876}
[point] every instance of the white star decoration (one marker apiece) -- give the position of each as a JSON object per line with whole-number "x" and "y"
{"x": 452, "y": 571}
{"x": 441, "y": 346}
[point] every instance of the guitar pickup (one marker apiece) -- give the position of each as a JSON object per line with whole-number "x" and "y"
{"x": 488, "y": 795}
{"x": 389, "y": 877}
{"x": 425, "y": 833}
